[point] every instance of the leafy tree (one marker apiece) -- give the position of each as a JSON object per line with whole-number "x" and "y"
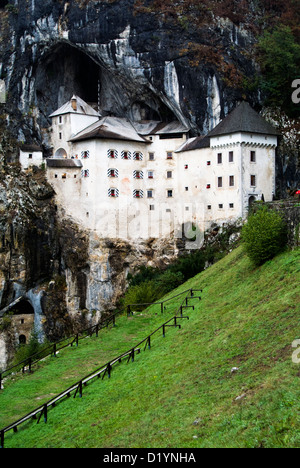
{"x": 264, "y": 235}
{"x": 279, "y": 58}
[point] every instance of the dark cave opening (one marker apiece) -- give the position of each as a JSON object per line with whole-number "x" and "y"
{"x": 22, "y": 308}
{"x": 66, "y": 70}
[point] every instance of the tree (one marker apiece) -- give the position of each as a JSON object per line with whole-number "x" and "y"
{"x": 279, "y": 58}
{"x": 264, "y": 235}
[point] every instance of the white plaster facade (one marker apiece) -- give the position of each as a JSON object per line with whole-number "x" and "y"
{"x": 31, "y": 155}
{"x": 101, "y": 184}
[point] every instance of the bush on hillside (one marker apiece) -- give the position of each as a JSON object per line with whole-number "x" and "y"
{"x": 264, "y": 235}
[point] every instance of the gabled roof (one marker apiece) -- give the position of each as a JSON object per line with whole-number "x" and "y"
{"x": 113, "y": 128}
{"x": 82, "y": 108}
{"x": 31, "y": 148}
{"x": 243, "y": 119}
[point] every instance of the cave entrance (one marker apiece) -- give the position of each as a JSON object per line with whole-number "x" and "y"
{"x": 63, "y": 72}
{"x": 22, "y": 308}
{"x": 66, "y": 70}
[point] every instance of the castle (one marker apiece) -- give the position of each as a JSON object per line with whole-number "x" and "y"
{"x": 148, "y": 179}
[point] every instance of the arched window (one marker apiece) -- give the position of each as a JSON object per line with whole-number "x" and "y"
{"x": 22, "y": 339}
{"x": 61, "y": 153}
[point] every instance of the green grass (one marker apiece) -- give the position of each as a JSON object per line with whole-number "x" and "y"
{"x": 181, "y": 393}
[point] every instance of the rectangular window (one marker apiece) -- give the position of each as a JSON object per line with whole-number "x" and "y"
{"x": 112, "y": 154}
{"x": 60, "y": 119}
{"x": 60, "y": 135}
{"x": 230, "y": 157}
{"x": 137, "y": 156}
{"x": 186, "y": 189}
{"x": 151, "y": 156}
{"x": 208, "y": 186}
{"x": 220, "y": 159}
{"x": 64, "y": 176}
{"x": 231, "y": 181}
{"x": 220, "y": 182}
{"x": 253, "y": 156}
{"x": 30, "y": 156}
{"x": 138, "y": 193}
{"x": 208, "y": 163}
{"x": 253, "y": 180}
{"x": 170, "y": 193}
{"x": 186, "y": 166}
{"x": 220, "y": 206}
{"x": 169, "y": 174}
{"x": 150, "y": 174}
{"x": 209, "y": 207}
{"x": 149, "y": 193}
{"x": 169, "y": 155}
{"x": 151, "y": 207}
{"x": 231, "y": 205}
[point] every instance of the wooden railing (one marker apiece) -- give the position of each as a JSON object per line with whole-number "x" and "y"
{"x": 77, "y": 388}
{"x": 53, "y": 349}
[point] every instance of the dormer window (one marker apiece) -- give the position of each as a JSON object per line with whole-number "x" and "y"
{"x": 112, "y": 154}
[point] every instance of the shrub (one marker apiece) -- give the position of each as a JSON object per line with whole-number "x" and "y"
{"x": 143, "y": 293}
{"x": 26, "y": 350}
{"x": 264, "y": 235}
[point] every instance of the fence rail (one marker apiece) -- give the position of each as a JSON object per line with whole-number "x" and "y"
{"x": 77, "y": 388}
{"x": 53, "y": 349}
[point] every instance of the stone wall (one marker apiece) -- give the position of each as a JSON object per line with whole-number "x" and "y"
{"x": 290, "y": 211}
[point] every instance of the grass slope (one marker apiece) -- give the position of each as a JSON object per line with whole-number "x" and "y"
{"x": 182, "y": 393}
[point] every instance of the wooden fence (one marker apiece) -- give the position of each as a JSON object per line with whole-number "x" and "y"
{"x": 53, "y": 349}
{"x": 77, "y": 388}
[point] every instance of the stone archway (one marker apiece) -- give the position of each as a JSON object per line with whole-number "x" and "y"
{"x": 61, "y": 153}
{"x": 251, "y": 200}
{"x": 22, "y": 340}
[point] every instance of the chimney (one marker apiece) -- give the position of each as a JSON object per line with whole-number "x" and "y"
{"x": 74, "y": 103}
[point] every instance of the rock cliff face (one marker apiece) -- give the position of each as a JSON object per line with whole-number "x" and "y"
{"x": 132, "y": 63}
{"x": 129, "y": 62}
